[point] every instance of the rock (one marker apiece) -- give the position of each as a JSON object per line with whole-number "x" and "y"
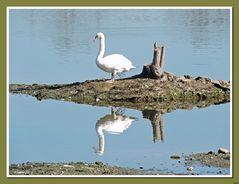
{"x": 210, "y": 152}
{"x": 99, "y": 163}
{"x": 175, "y": 156}
{"x": 188, "y": 77}
{"x": 190, "y": 169}
{"x": 20, "y": 172}
{"x": 223, "y": 150}
{"x": 227, "y": 157}
{"x": 183, "y": 79}
{"x": 203, "y": 79}
{"x": 70, "y": 166}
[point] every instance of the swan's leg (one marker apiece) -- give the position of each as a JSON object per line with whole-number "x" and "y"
{"x": 113, "y": 75}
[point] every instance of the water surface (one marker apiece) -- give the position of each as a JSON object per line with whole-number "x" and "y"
{"x": 56, "y": 131}
{"x": 56, "y": 46}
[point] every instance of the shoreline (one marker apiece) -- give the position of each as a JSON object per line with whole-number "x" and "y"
{"x": 98, "y": 168}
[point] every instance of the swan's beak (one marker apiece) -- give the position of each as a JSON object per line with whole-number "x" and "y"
{"x": 95, "y": 38}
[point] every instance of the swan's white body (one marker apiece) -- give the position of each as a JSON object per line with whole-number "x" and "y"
{"x": 115, "y": 63}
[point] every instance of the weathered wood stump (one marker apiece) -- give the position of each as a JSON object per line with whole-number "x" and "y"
{"x": 155, "y": 69}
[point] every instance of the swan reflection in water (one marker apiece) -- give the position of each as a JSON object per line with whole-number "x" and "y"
{"x": 114, "y": 123}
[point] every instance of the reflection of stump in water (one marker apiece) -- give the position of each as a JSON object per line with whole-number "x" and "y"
{"x": 157, "y": 124}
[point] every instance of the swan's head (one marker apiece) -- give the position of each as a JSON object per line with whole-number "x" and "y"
{"x": 99, "y": 36}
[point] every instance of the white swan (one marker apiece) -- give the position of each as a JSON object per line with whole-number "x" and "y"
{"x": 115, "y": 63}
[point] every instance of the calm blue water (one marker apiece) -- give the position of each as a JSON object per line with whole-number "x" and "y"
{"x": 56, "y": 46}
{"x": 56, "y": 131}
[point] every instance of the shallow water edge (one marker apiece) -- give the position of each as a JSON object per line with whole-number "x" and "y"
{"x": 210, "y": 159}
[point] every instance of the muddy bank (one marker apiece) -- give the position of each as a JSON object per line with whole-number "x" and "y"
{"x": 210, "y": 159}
{"x": 167, "y": 93}
{"x": 189, "y": 162}
{"x": 78, "y": 168}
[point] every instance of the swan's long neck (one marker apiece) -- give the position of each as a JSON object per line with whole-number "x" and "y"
{"x": 101, "y": 49}
{"x": 99, "y": 131}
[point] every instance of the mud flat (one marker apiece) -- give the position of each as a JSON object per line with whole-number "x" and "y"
{"x": 78, "y": 168}
{"x": 210, "y": 159}
{"x": 168, "y": 93}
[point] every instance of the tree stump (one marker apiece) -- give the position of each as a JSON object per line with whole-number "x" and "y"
{"x": 155, "y": 69}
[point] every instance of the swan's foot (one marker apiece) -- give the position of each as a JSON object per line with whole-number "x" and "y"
{"x": 110, "y": 81}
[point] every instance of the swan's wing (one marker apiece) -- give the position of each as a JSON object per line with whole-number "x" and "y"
{"x": 118, "y": 62}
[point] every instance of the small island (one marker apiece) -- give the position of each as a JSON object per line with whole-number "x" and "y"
{"x": 152, "y": 89}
